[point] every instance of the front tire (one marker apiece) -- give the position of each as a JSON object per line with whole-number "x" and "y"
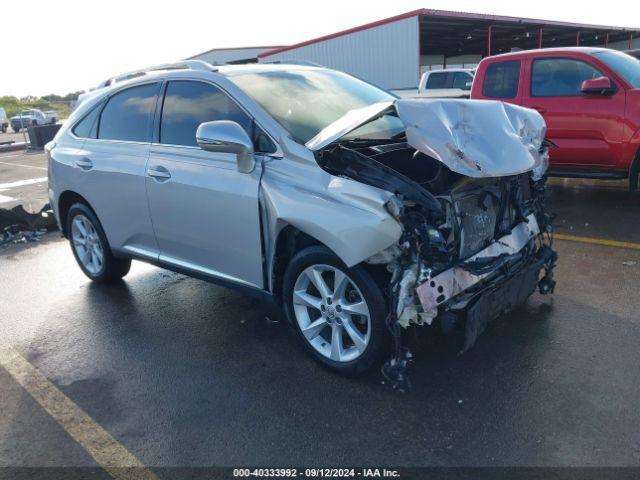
{"x": 338, "y": 312}
{"x": 90, "y": 247}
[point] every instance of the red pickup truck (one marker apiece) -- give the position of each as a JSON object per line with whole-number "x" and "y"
{"x": 589, "y": 97}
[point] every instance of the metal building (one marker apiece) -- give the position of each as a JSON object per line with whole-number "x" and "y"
{"x": 394, "y": 52}
{"x": 220, "y": 56}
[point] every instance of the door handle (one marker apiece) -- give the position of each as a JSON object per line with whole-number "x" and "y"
{"x": 84, "y": 163}
{"x": 540, "y": 109}
{"x": 160, "y": 173}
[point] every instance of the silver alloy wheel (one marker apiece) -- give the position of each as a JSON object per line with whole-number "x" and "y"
{"x": 332, "y": 313}
{"x": 86, "y": 244}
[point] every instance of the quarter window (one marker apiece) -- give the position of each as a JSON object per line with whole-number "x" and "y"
{"x": 127, "y": 115}
{"x": 560, "y": 77}
{"x": 501, "y": 79}
{"x": 88, "y": 126}
{"x": 187, "y": 104}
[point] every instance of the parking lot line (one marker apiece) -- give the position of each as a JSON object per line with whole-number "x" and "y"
{"x": 22, "y": 183}
{"x": 596, "y": 241}
{"x": 23, "y": 166}
{"x": 105, "y": 450}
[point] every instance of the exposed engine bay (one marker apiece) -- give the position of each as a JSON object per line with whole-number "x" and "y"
{"x": 472, "y": 248}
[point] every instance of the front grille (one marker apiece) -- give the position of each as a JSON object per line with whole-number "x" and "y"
{"x": 478, "y": 215}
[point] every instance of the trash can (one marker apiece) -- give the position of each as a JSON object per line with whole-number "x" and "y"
{"x": 39, "y": 136}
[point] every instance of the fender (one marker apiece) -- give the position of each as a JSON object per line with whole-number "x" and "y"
{"x": 346, "y": 216}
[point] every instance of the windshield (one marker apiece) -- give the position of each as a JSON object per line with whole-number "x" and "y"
{"x": 26, "y": 113}
{"x": 624, "y": 65}
{"x": 305, "y": 101}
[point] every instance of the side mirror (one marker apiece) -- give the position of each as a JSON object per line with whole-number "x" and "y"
{"x": 229, "y": 137}
{"x": 467, "y": 86}
{"x": 598, "y": 86}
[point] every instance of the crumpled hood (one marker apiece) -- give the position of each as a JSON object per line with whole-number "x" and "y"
{"x": 476, "y": 138}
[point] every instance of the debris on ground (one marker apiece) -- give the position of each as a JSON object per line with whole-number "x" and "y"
{"x": 629, "y": 263}
{"x": 19, "y": 226}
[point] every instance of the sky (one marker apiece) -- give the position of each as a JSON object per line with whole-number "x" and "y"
{"x": 70, "y": 45}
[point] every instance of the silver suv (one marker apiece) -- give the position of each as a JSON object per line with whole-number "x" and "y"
{"x": 360, "y": 213}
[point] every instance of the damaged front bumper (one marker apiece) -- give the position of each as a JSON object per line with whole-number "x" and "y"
{"x": 494, "y": 281}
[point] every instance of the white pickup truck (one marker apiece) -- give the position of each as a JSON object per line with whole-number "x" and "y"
{"x": 33, "y": 117}
{"x": 449, "y": 83}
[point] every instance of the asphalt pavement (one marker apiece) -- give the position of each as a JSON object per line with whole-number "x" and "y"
{"x": 185, "y": 373}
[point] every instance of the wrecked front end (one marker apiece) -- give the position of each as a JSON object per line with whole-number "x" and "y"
{"x": 469, "y": 179}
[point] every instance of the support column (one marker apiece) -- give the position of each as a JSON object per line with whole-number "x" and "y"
{"x": 540, "y": 38}
{"x": 578, "y": 39}
{"x": 606, "y": 40}
{"x": 489, "y": 41}
{"x": 630, "y": 41}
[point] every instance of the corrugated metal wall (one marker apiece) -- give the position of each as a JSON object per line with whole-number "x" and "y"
{"x": 386, "y": 55}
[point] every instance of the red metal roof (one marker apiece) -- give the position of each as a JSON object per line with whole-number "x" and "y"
{"x": 446, "y": 14}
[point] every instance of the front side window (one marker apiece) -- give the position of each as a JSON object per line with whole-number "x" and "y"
{"x": 127, "y": 115}
{"x": 187, "y": 104}
{"x": 560, "y": 77}
{"x": 437, "y": 80}
{"x": 501, "y": 79}
{"x": 305, "y": 101}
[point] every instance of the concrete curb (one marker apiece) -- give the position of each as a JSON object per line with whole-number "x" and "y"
{"x": 12, "y": 147}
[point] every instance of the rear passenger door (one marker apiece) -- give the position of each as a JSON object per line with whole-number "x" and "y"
{"x": 586, "y": 128}
{"x": 205, "y": 213}
{"x": 110, "y": 168}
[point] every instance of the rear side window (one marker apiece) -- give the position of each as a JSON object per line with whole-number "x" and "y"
{"x": 127, "y": 115}
{"x": 88, "y": 126}
{"x": 187, "y": 104}
{"x": 560, "y": 77}
{"x": 437, "y": 80}
{"x": 501, "y": 79}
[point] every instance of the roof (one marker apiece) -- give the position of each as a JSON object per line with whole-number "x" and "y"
{"x": 587, "y": 50}
{"x": 449, "y": 14}
{"x": 230, "y": 70}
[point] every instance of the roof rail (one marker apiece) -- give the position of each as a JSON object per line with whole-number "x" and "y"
{"x": 181, "y": 65}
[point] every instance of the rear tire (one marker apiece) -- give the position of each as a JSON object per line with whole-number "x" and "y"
{"x": 16, "y": 130}
{"x": 90, "y": 247}
{"x": 342, "y": 323}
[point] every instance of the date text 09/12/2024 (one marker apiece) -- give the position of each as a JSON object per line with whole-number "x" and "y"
{"x": 316, "y": 472}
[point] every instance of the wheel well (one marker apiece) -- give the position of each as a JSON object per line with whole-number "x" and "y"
{"x": 634, "y": 173}
{"x": 65, "y": 201}
{"x": 290, "y": 241}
